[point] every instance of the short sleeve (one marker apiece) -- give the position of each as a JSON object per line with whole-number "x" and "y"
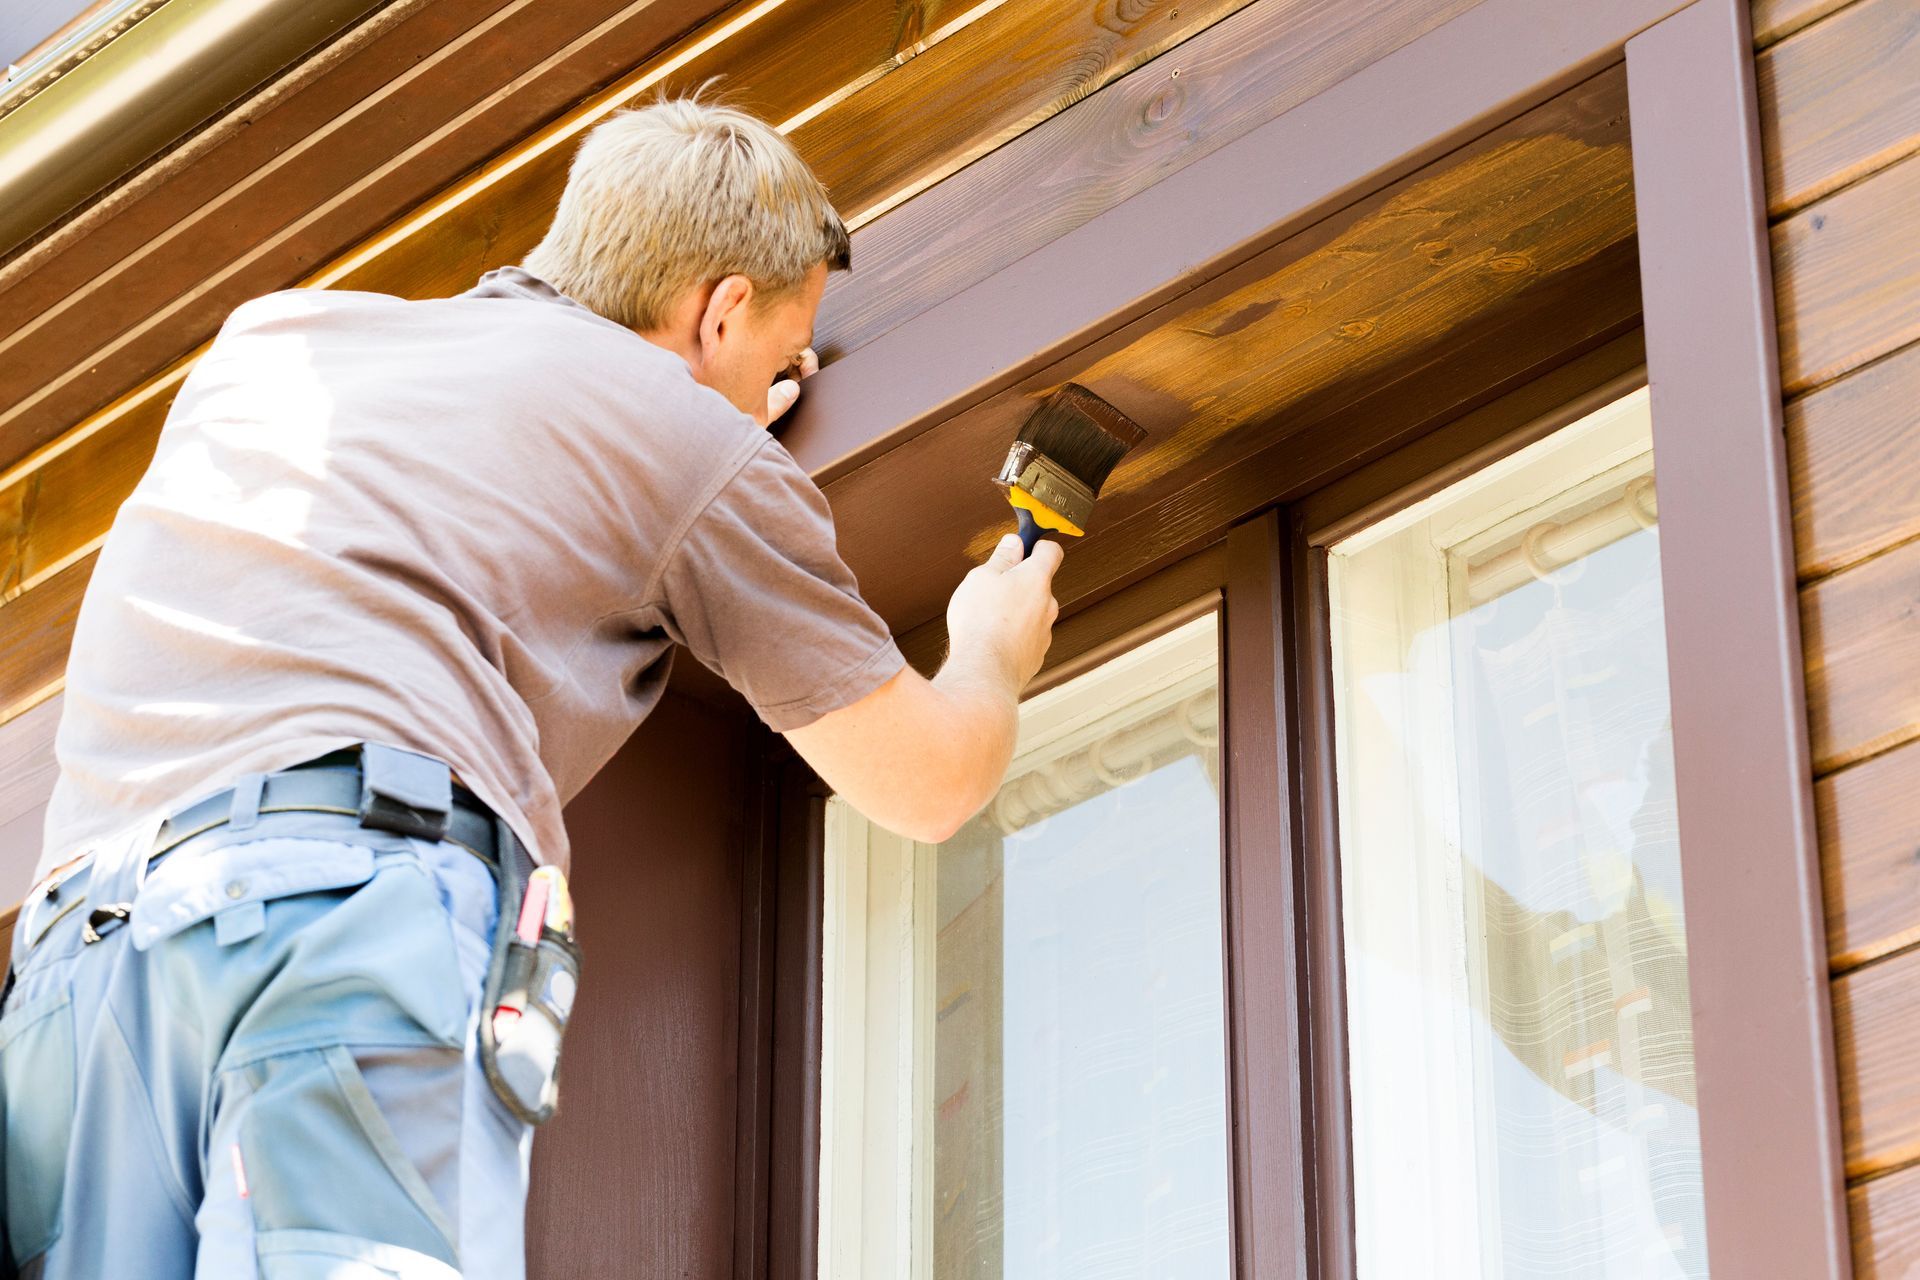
{"x": 756, "y": 589}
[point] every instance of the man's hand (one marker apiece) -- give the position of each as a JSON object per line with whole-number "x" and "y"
{"x": 920, "y": 757}
{"x": 1001, "y": 615}
{"x": 782, "y": 394}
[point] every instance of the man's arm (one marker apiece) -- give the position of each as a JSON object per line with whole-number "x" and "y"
{"x": 921, "y": 756}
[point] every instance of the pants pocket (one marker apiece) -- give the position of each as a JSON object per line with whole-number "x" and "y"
{"x": 323, "y": 1163}
{"x": 36, "y": 1098}
{"x": 329, "y": 1255}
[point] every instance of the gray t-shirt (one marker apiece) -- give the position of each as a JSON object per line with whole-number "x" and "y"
{"x": 472, "y": 526}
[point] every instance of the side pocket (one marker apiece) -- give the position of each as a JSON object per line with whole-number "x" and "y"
{"x": 521, "y": 1053}
{"x": 37, "y": 1097}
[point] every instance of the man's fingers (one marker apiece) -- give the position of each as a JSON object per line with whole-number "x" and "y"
{"x": 1006, "y": 553}
{"x": 780, "y": 397}
{"x": 1046, "y": 557}
{"x": 809, "y": 363}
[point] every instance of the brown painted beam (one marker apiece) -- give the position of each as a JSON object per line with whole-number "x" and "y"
{"x": 1375, "y": 126}
{"x": 1756, "y": 931}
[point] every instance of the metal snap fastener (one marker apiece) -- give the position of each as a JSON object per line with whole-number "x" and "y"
{"x": 237, "y": 889}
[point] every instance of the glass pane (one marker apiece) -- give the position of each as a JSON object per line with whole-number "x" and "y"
{"x": 1521, "y": 1036}
{"x": 1067, "y": 1115}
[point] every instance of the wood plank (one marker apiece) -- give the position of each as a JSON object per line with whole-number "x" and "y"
{"x": 1536, "y": 216}
{"x": 498, "y": 216}
{"x": 1250, "y": 69}
{"x": 961, "y": 90}
{"x": 1876, "y": 1022}
{"x": 948, "y": 107}
{"x": 35, "y": 631}
{"x": 1775, "y": 20}
{"x": 1885, "y": 1213}
{"x": 320, "y": 157}
{"x": 1839, "y": 101}
{"x": 1847, "y": 276}
{"x": 1863, "y": 658}
{"x": 1856, "y": 474}
{"x": 1869, "y": 835}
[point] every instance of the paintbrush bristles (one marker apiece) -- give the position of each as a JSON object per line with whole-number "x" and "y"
{"x": 1083, "y": 434}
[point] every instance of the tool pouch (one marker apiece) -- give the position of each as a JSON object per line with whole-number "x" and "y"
{"x": 521, "y": 1055}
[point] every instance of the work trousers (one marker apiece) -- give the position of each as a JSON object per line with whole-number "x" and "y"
{"x": 269, "y": 1069}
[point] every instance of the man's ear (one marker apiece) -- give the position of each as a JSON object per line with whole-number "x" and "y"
{"x": 726, "y": 306}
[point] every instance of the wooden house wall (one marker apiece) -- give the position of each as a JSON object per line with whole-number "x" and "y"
{"x": 1839, "y": 88}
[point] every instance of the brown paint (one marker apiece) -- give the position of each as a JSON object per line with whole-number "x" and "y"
{"x": 1375, "y": 126}
{"x": 1763, "y": 1047}
{"x": 636, "y": 1175}
{"x": 1275, "y": 1199}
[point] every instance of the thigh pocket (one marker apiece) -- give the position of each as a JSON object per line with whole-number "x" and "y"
{"x": 326, "y": 1255}
{"x": 37, "y": 1091}
{"x": 324, "y": 1163}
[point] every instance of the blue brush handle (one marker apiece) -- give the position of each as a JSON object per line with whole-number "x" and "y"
{"x": 1029, "y": 531}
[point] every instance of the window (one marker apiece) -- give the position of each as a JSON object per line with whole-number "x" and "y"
{"x": 1025, "y": 1068}
{"x": 1520, "y": 1034}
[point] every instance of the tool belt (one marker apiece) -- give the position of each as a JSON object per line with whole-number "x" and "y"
{"x": 534, "y": 967}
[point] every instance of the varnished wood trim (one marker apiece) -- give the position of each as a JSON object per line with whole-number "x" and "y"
{"x": 1848, "y": 272}
{"x": 1839, "y": 101}
{"x": 1863, "y": 668}
{"x": 1856, "y": 472}
{"x": 1756, "y": 935}
{"x": 1876, "y": 1017}
{"x": 1375, "y": 126}
{"x": 1869, "y": 834}
{"x": 1886, "y": 1226}
{"x": 1775, "y": 20}
{"x": 35, "y": 631}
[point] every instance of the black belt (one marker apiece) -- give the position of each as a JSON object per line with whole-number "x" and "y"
{"x": 334, "y": 783}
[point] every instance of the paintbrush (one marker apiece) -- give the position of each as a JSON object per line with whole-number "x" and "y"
{"x": 1062, "y": 456}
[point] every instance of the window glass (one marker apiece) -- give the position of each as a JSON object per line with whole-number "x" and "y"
{"x": 1025, "y": 1064}
{"x": 1515, "y": 941}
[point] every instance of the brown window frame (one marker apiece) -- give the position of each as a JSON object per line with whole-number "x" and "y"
{"x": 1771, "y": 1152}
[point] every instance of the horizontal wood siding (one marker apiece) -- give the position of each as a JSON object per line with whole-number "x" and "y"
{"x": 1840, "y": 104}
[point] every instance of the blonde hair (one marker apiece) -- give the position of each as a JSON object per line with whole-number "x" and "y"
{"x": 681, "y": 193}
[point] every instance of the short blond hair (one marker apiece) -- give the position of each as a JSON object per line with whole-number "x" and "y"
{"x": 682, "y": 193}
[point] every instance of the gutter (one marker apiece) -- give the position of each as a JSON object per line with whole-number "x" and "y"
{"x": 143, "y": 90}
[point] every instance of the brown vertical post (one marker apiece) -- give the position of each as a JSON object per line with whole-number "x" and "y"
{"x": 1763, "y": 1040}
{"x": 1272, "y": 1216}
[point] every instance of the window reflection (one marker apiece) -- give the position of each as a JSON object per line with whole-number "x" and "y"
{"x": 1067, "y": 1115}
{"x": 1520, "y": 1028}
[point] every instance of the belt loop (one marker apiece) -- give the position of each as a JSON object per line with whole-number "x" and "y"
{"x": 245, "y": 808}
{"x": 405, "y": 792}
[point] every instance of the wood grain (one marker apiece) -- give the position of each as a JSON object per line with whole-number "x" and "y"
{"x": 1006, "y": 72}
{"x": 26, "y": 759}
{"x": 1856, "y": 473}
{"x": 1399, "y": 286}
{"x": 1863, "y": 658}
{"x": 1243, "y": 72}
{"x": 1839, "y": 101}
{"x": 1847, "y": 277}
{"x": 1774, "y": 20}
{"x": 1885, "y": 1214}
{"x": 1870, "y": 857}
{"x": 964, "y": 94}
{"x": 965, "y": 84}
{"x": 1876, "y": 1025}
{"x": 35, "y": 632}
{"x": 374, "y": 123}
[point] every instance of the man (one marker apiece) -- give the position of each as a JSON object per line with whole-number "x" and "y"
{"x": 251, "y": 1023}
